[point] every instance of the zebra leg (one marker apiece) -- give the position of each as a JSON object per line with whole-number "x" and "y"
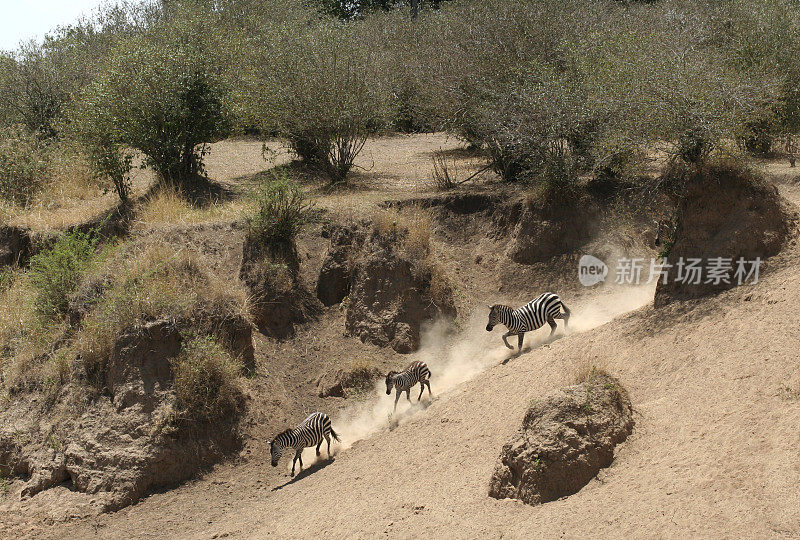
{"x": 328, "y": 439}
{"x": 428, "y": 384}
{"x": 396, "y": 398}
{"x": 320, "y": 444}
{"x": 408, "y": 395}
{"x": 520, "y": 337}
{"x": 553, "y": 326}
{"x": 421, "y": 389}
{"x": 294, "y": 461}
{"x": 505, "y": 339}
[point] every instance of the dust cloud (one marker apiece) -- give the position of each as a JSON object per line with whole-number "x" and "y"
{"x": 456, "y": 357}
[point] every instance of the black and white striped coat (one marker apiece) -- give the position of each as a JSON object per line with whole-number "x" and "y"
{"x": 310, "y": 432}
{"x": 416, "y": 372}
{"x": 532, "y": 316}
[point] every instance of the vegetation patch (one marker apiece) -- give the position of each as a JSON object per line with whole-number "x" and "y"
{"x": 57, "y": 272}
{"x": 206, "y": 380}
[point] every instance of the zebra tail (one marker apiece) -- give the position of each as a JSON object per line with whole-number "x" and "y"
{"x": 335, "y": 435}
{"x": 566, "y": 309}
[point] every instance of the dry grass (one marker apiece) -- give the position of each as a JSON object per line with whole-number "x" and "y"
{"x": 206, "y": 381}
{"x": 360, "y": 374}
{"x": 72, "y": 195}
{"x": 412, "y": 225}
{"x": 154, "y": 282}
{"x": 587, "y": 370}
{"x": 169, "y": 206}
{"x": 445, "y": 174}
{"x": 15, "y": 311}
{"x": 24, "y": 339}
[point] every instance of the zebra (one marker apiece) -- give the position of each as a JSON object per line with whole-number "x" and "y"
{"x": 310, "y": 432}
{"x": 416, "y": 372}
{"x": 531, "y": 316}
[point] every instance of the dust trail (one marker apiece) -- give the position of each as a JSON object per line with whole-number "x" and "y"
{"x": 454, "y": 359}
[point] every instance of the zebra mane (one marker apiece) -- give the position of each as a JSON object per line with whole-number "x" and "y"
{"x": 281, "y": 434}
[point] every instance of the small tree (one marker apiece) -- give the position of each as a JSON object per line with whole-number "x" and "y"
{"x": 23, "y": 165}
{"x": 320, "y": 89}
{"x": 161, "y": 95}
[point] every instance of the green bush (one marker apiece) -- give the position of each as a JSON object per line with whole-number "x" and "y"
{"x": 205, "y": 378}
{"x": 23, "y": 165}
{"x": 56, "y": 272}
{"x": 281, "y": 212}
{"x": 162, "y": 94}
{"x": 319, "y": 87}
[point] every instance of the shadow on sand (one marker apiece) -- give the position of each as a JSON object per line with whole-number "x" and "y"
{"x": 528, "y": 349}
{"x": 321, "y": 464}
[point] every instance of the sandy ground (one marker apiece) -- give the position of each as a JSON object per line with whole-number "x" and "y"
{"x": 715, "y": 452}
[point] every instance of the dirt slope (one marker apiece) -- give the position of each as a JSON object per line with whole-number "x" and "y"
{"x": 715, "y": 386}
{"x": 714, "y": 452}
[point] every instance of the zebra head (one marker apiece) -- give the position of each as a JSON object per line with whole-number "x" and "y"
{"x": 390, "y": 382}
{"x": 494, "y": 317}
{"x": 276, "y": 446}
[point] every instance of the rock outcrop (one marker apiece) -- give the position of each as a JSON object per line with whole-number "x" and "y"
{"x": 543, "y": 232}
{"x": 564, "y": 441}
{"x": 15, "y": 245}
{"x": 333, "y": 284}
{"x": 391, "y": 296}
{"x": 126, "y": 441}
{"x": 279, "y": 302}
{"x": 723, "y": 212}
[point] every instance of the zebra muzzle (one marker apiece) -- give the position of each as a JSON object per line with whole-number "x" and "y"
{"x": 489, "y": 327}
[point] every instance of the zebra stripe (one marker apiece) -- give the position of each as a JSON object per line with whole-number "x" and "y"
{"x": 309, "y": 432}
{"x": 532, "y": 316}
{"x": 416, "y": 372}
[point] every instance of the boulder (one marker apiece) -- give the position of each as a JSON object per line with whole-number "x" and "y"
{"x": 565, "y": 439}
{"x": 331, "y": 384}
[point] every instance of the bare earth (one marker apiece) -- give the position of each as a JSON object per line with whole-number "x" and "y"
{"x": 715, "y": 452}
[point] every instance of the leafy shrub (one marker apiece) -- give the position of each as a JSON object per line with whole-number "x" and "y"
{"x": 34, "y": 87}
{"x": 57, "y": 272}
{"x": 23, "y": 165}
{"x": 319, "y": 87}
{"x": 205, "y": 380}
{"x": 161, "y": 94}
{"x": 281, "y": 212}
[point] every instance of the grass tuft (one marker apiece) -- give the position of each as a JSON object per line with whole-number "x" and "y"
{"x": 57, "y": 272}
{"x": 206, "y": 380}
